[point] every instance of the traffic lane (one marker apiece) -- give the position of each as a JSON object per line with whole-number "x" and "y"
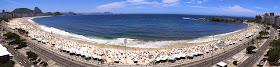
{"x": 55, "y": 58}
{"x": 19, "y": 57}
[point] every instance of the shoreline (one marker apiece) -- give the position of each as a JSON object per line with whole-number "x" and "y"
{"x": 135, "y": 43}
{"x": 112, "y": 52}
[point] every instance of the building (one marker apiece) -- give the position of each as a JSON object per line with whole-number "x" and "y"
{"x": 5, "y": 56}
{"x": 3, "y": 11}
{"x": 271, "y": 21}
{"x": 266, "y": 17}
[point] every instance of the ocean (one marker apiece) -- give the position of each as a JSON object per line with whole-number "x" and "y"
{"x": 112, "y": 29}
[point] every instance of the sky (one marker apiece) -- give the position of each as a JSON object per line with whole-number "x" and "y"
{"x": 242, "y": 8}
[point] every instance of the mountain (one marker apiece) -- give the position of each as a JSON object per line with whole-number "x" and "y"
{"x": 37, "y": 11}
{"x": 23, "y": 11}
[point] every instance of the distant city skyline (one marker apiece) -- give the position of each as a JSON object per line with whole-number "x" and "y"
{"x": 248, "y": 8}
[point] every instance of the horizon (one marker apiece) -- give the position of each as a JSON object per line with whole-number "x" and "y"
{"x": 236, "y": 8}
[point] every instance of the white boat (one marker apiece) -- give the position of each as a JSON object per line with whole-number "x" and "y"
{"x": 186, "y": 18}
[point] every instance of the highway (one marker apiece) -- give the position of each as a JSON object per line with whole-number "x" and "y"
{"x": 220, "y": 57}
{"x": 21, "y": 59}
{"x": 256, "y": 56}
{"x": 43, "y": 53}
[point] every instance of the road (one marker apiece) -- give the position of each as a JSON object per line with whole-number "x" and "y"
{"x": 256, "y": 56}
{"x": 220, "y": 57}
{"x": 21, "y": 59}
{"x": 43, "y": 53}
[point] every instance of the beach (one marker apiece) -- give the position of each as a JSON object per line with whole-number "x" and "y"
{"x": 143, "y": 53}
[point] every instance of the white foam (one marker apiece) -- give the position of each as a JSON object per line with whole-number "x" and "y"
{"x": 130, "y": 42}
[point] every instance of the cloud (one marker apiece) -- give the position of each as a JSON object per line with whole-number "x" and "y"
{"x": 260, "y": 8}
{"x": 110, "y": 6}
{"x": 237, "y": 8}
{"x": 169, "y": 4}
{"x": 13, "y": 2}
{"x": 139, "y": 2}
{"x": 196, "y": 1}
{"x": 139, "y": 7}
{"x": 198, "y": 6}
{"x": 170, "y": 1}
{"x": 122, "y": 4}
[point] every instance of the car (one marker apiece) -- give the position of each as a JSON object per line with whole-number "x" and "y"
{"x": 261, "y": 63}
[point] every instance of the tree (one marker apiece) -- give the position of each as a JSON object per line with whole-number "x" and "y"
{"x": 273, "y": 56}
{"x": 57, "y": 13}
{"x": 251, "y": 20}
{"x": 10, "y": 63}
{"x": 275, "y": 44}
{"x": 250, "y": 49}
{"x": 252, "y": 41}
{"x": 11, "y": 36}
{"x": 21, "y": 31}
{"x": 263, "y": 33}
{"x": 267, "y": 28}
{"x": 31, "y": 55}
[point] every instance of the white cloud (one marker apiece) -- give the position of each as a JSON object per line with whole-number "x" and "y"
{"x": 110, "y": 6}
{"x": 139, "y": 7}
{"x": 198, "y": 6}
{"x": 237, "y": 8}
{"x": 169, "y": 4}
{"x": 122, "y": 4}
{"x": 260, "y": 8}
{"x": 13, "y": 2}
{"x": 197, "y": 1}
{"x": 170, "y": 1}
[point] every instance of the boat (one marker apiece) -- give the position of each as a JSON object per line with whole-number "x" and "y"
{"x": 186, "y": 18}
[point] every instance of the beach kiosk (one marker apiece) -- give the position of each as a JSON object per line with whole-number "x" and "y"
{"x": 99, "y": 58}
{"x": 117, "y": 60}
{"x": 72, "y": 52}
{"x": 135, "y": 60}
{"x": 171, "y": 59}
{"x": 190, "y": 56}
{"x": 158, "y": 59}
{"x": 87, "y": 56}
{"x": 222, "y": 64}
{"x": 94, "y": 57}
{"x": 182, "y": 56}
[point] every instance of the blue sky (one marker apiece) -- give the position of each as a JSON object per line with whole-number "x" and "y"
{"x": 197, "y": 7}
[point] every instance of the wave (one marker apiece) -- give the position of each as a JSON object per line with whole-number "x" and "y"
{"x": 120, "y": 41}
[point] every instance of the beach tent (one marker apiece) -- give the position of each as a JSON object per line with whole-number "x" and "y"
{"x": 33, "y": 38}
{"x": 164, "y": 59}
{"x": 88, "y": 56}
{"x": 222, "y": 64}
{"x": 190, "y": 56}
{"x": 117, "y": 60}
{"x": 78, "y": 53}
{"x": 44, "y": 41}
{"x": 39, "y": 39}
{"x": 83, "y": 54}
{"x": 182, "y": 56}
{"x": 158, "y": 59}
{"x": 135, "y": 60}
{"x": 171, "y": 59}
{"x": 99, "y": 58}
{"x": 94, "y": 57}
{"x": 72, "y": 52}
{"x": 67, "y": 50}
{"x": 177, "y": 56}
